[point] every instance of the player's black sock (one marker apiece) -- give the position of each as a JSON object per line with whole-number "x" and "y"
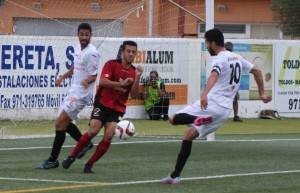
{"x": 73, "y": 131}
{"x": 59, "y": 140}
{"x": 183, "y": 155}
{"x": 183, "y": 119}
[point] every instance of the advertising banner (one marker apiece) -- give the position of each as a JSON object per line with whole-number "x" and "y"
{"x": 30, "y": 65}
{"x": 261, "y": 55}
{"x": 287, "y": 76}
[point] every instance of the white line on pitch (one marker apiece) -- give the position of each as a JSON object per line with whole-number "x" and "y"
{"x": 115, "y": 143}
{"x": 153, "y": 181}
{"x": 45, "y": 180}
{"x": 163, "y": 141}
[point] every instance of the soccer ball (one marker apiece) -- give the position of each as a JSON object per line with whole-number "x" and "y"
{"x": 125, "y": 129}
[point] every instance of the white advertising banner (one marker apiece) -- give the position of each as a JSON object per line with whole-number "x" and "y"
{"x": 259, "y": 54}
{"x": 30, "y": 65}
{"x": 287, "y": 77}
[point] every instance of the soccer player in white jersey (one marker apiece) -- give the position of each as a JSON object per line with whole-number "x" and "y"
{"x": 213, "y": 109}
{"x": 84, "y": 71}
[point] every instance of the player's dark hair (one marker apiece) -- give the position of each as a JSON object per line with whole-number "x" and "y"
{"x": 84, "y": 26}
{"x": 215, "y": 35}
{"x": 229, "y": 46}
{"x": 128, "y": 42}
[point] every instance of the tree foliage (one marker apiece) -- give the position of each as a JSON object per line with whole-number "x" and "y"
{"x": 287, "y": 14}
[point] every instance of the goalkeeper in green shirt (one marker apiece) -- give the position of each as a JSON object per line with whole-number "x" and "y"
{"x": 157, "y": 101}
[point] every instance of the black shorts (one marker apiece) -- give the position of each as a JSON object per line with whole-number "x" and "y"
{"x": 105, "y": 114}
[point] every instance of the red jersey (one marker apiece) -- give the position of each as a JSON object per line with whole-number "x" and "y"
{"x": 115, "y": 98}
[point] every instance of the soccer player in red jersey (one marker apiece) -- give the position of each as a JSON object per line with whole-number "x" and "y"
{"x": 117, "y": 80}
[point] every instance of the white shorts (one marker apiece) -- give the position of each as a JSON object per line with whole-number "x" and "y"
{"x": 218, "y": 113}
{"x": 72, "y": 105}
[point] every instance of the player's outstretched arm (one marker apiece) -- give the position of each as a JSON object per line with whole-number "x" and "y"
{"x": 260, "y": 83}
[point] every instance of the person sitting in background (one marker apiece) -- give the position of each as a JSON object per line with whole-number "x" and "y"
{"x": 157, "y": 102}
{"x": 235, "y": 104}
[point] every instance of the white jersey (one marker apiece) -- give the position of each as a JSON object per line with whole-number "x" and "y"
{"x": 229, "y": 66}
{"x": 85, "y": 64}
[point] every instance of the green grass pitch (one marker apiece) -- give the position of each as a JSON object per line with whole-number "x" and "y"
{"x": 256, "y": 156}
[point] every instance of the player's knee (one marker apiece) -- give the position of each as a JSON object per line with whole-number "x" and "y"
{"x": 171, "y": 118}
{"x": 61, "y": 126}
{"x": 176, "y": 119}
{"x": 180, "y": 119}
{"x": 108, "y": 136}
{"x": 190, "y": 134}
{"x": 92, "y": 134}
{"x": 93, "y": 131}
